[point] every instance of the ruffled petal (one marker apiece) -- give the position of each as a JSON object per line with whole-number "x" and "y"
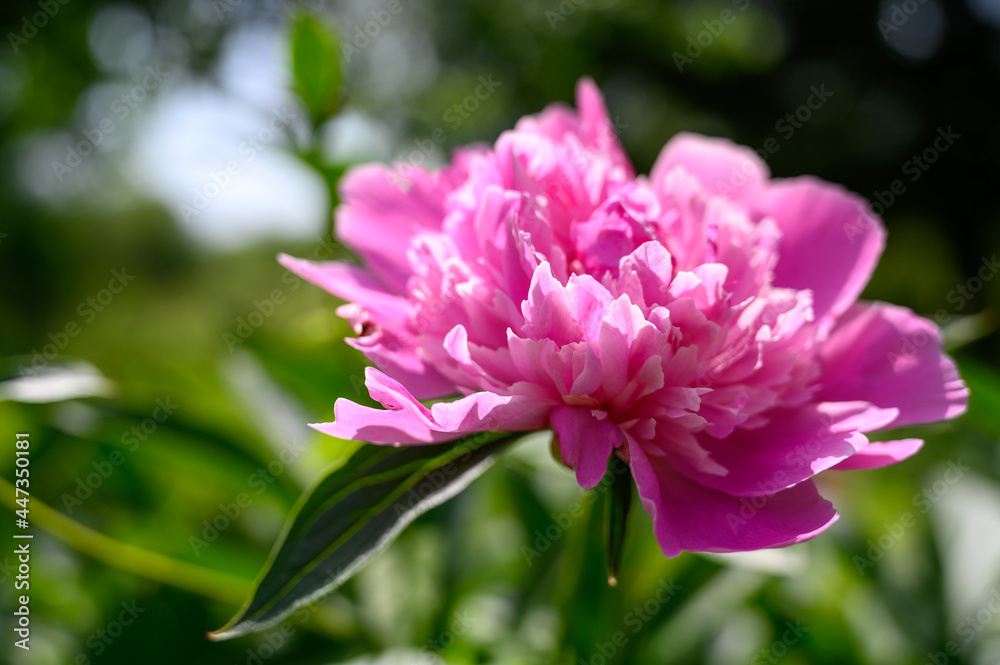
{"x": 891, "y": 357}
{"x": 795, "y": 445}
{"x": 383, "y": 209}
{"x": 405, "y": 420}
{"x": 598, "y": 132}
{"x": 353, "y": 284}
{"x": 391, "y": 347}
{"x": 585, "y": 441}
{"x": 396, "y": 355}
{"x": 877, "y": 455}
{"x": 830, "y": 242}
{"x": 688, "y": 516}
{"x": 722, "y": 167}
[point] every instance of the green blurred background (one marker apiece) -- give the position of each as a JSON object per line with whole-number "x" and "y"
{"x": 155, "y": 157}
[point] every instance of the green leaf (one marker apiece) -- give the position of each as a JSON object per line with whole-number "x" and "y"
{"x": 617, "y": 503}
{"x": 352, "y": 515}
{"x": 316, "y": 66}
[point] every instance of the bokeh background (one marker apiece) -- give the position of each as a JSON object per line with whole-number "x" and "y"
{"x": 155, "y": 156}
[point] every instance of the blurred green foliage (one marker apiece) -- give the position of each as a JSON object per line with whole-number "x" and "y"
{"x": 508, "y": 572}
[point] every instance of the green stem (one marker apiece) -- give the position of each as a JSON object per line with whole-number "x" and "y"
{"x": 151, "y": 565}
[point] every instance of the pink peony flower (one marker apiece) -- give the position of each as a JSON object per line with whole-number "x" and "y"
{"x": 701, "y": 323}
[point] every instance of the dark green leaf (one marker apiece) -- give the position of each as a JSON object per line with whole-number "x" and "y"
{"x": 316, "y": 66}
{"x": 353, "y": 514}
{"x": 617, "y": 503}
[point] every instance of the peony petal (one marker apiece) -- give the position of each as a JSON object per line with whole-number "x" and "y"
{"x": 353, "y": 284}
{"x": 596, "y": 128}
{"x": 645, "y": 275}
{"x": 590, "y": 127}
{"x": 722, "y": 167}
{"x": 362, "y": 423}
{"x": 587, "y": 372}
{"x": 704, "y": 317}
{"x": 830, "y": 243}
{"x": 546, "y": 311}
{"x": 878, "y": 454}
{"x": 688, "y": 516}
{"x": 406, "y": 420}
{"x": 383, "y": 209}
{"x": 891, "y": 357}
{"x": 585, "y": 442}
{"x": 795, "y": 445}
{"x": 392, "y": 347}
{"x": 614, "y": 342}
{"x": 397, "y": 357}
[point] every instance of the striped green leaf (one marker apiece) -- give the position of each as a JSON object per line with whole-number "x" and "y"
{"x": 352, "y": 515}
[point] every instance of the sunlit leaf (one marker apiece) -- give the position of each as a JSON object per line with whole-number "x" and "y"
{"x": 316, "y": 66}
{"x": 353, "y": 514}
